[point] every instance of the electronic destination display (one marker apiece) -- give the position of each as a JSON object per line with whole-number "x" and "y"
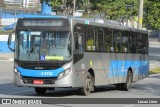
{"x": 42, "y": 22}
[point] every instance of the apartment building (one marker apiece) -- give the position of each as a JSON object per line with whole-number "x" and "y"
{"x": 13, "y": 2}
{"x": 24, "y": 3}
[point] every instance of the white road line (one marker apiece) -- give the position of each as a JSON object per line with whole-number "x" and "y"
{"x": 11, "y": 59}
{"x": 155, "y": 63}
{"x": 5, "y": 60}
{"x": 20, "y": 92}
{"x": 129, "y": 106}
{"x": 153, "y": 75}
{"x": 154, "y": 42}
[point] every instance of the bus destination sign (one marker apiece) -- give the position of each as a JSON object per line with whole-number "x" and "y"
{"x": 42, "y": 23}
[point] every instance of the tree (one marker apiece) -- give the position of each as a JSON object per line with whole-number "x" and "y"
{"x": 53, "y": 3}
{"x": 86, "y": 5}
{"x": 114, "y": 9}
{"x": 2, "y": 4}
{"x": 67, "y": 6}
{"x": 152, "y": 13}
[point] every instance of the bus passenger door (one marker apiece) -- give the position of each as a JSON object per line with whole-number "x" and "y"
{"x": 78, "y": 60}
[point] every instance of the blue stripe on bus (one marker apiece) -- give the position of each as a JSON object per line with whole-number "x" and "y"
{"x": 119, "y": 68}
{"x": 39, "y": 73}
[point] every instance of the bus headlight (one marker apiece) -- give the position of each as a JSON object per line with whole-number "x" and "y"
{"x": 66, "y": 72}
{"x": 62, "y": 74}
{"x": 18, "y": 74}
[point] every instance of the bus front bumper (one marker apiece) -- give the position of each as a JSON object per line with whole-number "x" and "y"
{"x": 63, "y": 82}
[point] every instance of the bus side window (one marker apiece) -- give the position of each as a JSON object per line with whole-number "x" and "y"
{"x": 140, "y": 43}
{"x": 125, "y": 42}
{"x": 145, "y": 43}
{"x": 90, "y": 39}
{"x": 100, "y": 40}
{"x": 133, "y": 43}
{"x": 78, "y": 42}
{"x": 108, "y": 40}
{"x": 89, "y": 44}
{"x": 117, "y": 42}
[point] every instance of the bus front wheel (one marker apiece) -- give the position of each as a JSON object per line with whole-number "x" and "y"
{"x": 40, "y": 90}
{"x": 128, "y": 85}
{"x": 88, "y": 86}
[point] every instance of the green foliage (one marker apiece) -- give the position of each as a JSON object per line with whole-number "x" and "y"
{"x": 154, "y": 71}
{"x": 152, "y": 14}
{"x": 85, "y": 5}
{"x": 114, "y": 9}
{"x": 53, "y": 3}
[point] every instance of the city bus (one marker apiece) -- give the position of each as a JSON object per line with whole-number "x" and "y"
{"x": 77, "y": 53}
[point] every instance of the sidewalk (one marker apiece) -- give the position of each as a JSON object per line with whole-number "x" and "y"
{"x": 6, "y": 56}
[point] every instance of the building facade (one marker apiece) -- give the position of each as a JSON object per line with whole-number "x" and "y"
{"x": 30, "y": 3}
{"x": 24, "y": 3}
{"x": 14, "y": 2}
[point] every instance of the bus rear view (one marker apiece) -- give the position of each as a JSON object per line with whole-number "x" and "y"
{"x": 42, "y": 54}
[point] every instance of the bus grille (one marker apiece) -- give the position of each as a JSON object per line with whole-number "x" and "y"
{"x": 27, "y": 80}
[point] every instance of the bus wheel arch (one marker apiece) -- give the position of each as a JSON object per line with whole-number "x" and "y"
{"x": 91, "y": 71}
{"x": 89, "y": 83}
{"x": 131, "y": 70}
{"x": 129, "y": 80}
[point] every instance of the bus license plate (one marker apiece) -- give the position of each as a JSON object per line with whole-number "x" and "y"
{"x": 38, "y": 82}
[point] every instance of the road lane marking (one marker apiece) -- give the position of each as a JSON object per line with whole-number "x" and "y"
{"x": 155, "y": 63}
{"x": 129, "y": 106}
{"x": 151, "y": 45}
{"x": 20, "y": 92}
{"x": 153, "y": 75}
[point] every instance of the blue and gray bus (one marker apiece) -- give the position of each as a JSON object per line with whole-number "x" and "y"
{"x": 77, "y": 53}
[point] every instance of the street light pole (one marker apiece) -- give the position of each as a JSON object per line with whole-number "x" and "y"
{"x": 140, "y": 16}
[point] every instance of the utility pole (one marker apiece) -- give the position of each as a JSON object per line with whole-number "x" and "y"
{"x": 74, "y": 6}
{"x": 140, "y": 16}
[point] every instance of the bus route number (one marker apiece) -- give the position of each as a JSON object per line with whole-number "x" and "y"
{"x": 46, "y": 73}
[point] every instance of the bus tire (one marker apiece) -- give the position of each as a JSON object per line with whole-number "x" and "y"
{"x": 128, "y": 85}
{"x": 40, "y": 90}
{"x": 88, "y": 85}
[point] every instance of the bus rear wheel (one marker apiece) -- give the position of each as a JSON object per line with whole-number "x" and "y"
{"x": 128, "y": 85}
{"x": 88, "y": 86}
{"x": 40, "y": 91}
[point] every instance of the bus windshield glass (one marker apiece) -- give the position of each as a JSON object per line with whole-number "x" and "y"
{"x": 43, "y": 46}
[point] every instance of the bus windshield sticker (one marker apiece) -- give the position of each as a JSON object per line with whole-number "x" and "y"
{"x": 54, "y": 57}
{"x": 87, "y": 22}
{"x": 42, "y": 58}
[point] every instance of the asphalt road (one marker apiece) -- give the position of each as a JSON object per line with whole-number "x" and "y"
{"x": 154, "y": 53}
{"x": 146, "y": 88}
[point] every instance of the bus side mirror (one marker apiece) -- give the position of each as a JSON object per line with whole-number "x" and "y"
{"x": 9, "y": 39}
{"x": 9, "y": 42}
{"x": 69, "y": 49}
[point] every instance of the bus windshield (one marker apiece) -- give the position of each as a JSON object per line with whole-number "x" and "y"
{"x": 43, "y": 46}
